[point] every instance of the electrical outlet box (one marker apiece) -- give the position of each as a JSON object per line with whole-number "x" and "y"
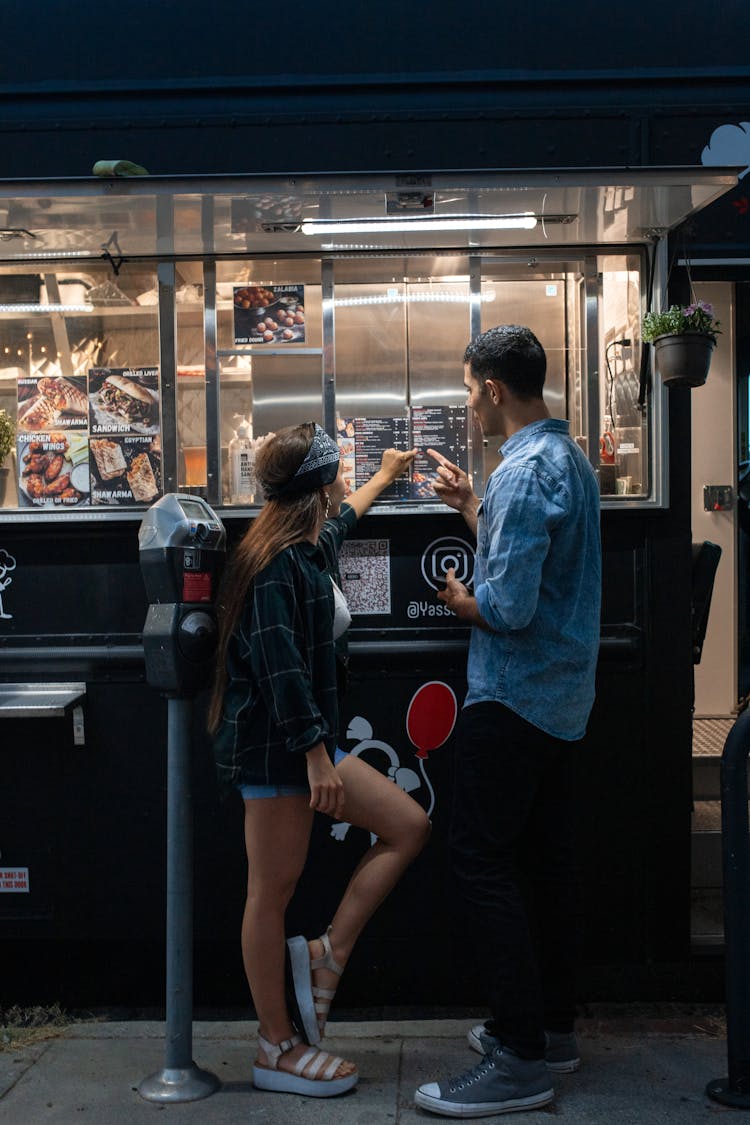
{"x": 717, "y": 497}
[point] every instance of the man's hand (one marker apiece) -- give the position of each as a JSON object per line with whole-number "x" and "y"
{"x": 326, "y": 787}
{"x": 460, "y": 601}
{"x": 455, "y": 595}
{"x": 453, "y": 486}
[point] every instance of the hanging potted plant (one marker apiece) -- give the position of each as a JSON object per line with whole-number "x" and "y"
{"x": 684, "y": 338}
{"x": 7, "y": 442}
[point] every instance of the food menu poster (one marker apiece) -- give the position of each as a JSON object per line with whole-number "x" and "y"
{"x": 444, "y": 429}
{"x": 362, "y": 442}
{"x": 93, "y": 439}
{"x": 269, "y": 314}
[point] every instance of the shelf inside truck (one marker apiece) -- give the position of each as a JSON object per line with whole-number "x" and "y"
{"x": 38, "y": 701}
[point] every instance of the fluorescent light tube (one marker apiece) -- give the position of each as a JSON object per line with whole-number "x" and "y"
{"x": 524, "y": 221}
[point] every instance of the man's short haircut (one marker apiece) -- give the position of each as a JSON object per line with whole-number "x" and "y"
{"x": 513, "y": 355}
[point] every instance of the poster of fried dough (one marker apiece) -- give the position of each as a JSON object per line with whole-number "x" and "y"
{"x": 269, "y": 315}
{"x": 52, "y": 402}
{"x": 125, "y": 469}
{"x": 123, "y": 400}
{"x": 53, "y": 469}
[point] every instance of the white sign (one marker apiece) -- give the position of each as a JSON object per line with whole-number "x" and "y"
{"x": 14, "y": 880}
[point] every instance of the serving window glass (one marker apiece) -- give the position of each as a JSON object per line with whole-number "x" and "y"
{"x": 369, "y": 346}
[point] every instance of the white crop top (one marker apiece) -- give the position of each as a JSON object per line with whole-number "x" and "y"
{"x": 342, "y": 618}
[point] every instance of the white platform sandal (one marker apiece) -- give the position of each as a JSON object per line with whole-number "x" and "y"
{"x": 313, "y": 1073}
{"x": 323, "y": 997}
{"x": 303, "y": 1001}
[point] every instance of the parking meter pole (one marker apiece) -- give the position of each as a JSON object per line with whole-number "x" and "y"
{"x": 179, "y": 889}
{"x": 182, "y": 545}
{"x": 180, "y": 1080}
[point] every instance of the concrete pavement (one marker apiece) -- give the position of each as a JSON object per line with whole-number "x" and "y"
{"x": 640, "y": 1065}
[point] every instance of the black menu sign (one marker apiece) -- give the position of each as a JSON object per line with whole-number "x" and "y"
{"x": 362, "y": 442}
{"x": 444, "y": 429}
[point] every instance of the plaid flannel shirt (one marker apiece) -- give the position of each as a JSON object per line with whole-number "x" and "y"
{"x": 281, "y": 698}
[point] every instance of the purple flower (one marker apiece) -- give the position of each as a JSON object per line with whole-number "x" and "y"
{"x": 700, "y": 307}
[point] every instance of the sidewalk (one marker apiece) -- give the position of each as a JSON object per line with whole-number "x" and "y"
{"x": 641, "y": 1065}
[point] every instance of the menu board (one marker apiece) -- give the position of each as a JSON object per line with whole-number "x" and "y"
{"x": 269, "y": 314}
{"x": 444, "y": 429}
{"x": 92, "y": 439}
{"x": 362, "y": 442}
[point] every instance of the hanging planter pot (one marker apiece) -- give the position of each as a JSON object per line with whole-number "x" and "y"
{"x": 683, "y": 359}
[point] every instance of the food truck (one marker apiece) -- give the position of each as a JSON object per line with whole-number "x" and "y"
{"x": 154, "y": 330}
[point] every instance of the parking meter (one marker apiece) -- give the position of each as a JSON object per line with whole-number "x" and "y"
{"x": 182, "y": 546}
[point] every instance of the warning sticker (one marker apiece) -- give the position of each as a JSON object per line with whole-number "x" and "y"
{"x": 14, "y": 880}
{"x": 196, "y": 586}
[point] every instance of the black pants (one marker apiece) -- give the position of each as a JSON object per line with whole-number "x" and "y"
{"x": 514, "y": 858}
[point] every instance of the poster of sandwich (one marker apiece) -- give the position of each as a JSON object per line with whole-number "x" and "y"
{"x": 125, "y": 436}
{"x": 123, "y": 400}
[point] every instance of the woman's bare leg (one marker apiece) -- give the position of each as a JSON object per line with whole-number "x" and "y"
{"x": 372, "y": 802}
{"x": 277, "y": 835}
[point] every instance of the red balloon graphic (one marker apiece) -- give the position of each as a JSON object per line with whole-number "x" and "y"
{"x": 431, "y": 716}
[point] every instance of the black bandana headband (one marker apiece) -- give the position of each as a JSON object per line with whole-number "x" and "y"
{"x": 320, "y": 467}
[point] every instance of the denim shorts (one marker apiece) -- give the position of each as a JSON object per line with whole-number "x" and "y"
{"x": 252, "y": 792}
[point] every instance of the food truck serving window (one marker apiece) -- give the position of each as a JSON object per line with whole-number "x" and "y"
{"x": 121, "y": 384}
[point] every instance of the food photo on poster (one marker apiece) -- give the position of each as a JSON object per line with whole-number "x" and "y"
{"x": 123, "y": 400}
{"x": 53, "y": 469}
{"x": 52, "y": 402}
{"x": 269, "y": 314}
{"x": 125, "y": 469}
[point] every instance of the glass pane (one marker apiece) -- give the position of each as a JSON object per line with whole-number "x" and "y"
{"x": 80, "y": 377}
{"x": 624, "y": 462}
{"x": 269, "y": 333}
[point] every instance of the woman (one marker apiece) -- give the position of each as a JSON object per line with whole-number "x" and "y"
{"x": 274, "y": 715}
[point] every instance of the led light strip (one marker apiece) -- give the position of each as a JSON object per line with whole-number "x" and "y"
{"x": 524, "y": 221}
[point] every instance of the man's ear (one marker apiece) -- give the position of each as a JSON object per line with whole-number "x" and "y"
{"x": 494, "y": 390}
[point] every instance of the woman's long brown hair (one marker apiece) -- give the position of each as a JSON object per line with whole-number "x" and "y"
{"x": 280, "y": 523}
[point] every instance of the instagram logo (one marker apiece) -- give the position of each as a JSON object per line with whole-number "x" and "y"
{"x": 441, "y": 555}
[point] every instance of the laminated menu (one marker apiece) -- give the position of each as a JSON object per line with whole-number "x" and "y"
{"x": 444, "y": 429}
{"x": 362, "y": 442}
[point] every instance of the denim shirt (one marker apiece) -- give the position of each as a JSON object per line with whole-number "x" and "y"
{"x": 537, "y": 581}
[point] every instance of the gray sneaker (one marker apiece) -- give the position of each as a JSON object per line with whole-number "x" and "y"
{"x": 501, "y": 1083}
{"x": 561, "y": 1050}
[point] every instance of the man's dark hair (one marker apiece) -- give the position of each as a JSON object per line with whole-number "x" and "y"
{"x": 511, "y": 354}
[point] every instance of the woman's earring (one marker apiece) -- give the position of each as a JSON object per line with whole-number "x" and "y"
{"x": 328, "y": 506}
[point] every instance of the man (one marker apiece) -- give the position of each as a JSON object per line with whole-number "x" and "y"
{"x": 532, "y": 659}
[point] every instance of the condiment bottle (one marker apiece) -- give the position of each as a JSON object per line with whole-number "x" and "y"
{"x": 242, "y": 465}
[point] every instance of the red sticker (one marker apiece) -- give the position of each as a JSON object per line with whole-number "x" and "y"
{"x": 196, "y": 586}
{"x": 431, "y": 716}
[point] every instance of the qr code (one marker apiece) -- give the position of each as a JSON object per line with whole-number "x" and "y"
{"x": 365, "y": 566}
